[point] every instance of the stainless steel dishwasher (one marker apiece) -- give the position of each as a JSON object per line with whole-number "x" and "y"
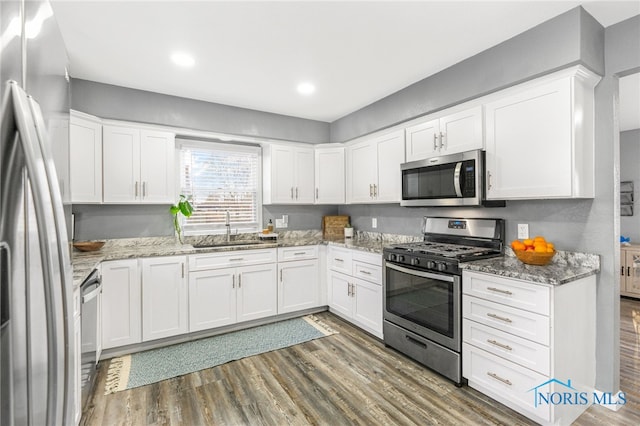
{"x": 91, "y": 312}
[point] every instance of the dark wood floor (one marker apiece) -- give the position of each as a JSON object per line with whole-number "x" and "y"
{"x": 345, "y": 379}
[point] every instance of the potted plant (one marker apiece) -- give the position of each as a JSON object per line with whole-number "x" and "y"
{"x": 348, "y": 231}
{"x": 183, "y": 206}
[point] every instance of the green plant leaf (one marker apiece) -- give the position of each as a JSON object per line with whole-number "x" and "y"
{"x": 186, "y": 208}
{"x": 174, "y": 209}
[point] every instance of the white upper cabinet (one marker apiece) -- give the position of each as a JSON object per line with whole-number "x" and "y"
{"x": 539, "y": 141}
{"x": 288, "y": 174}
{"x": 373, "y": 169}
{"x": 329, "y": 179}
{"x": 85, "y": 159}
{"x": 138, "y": 165}
{"x": 448, "y": 134}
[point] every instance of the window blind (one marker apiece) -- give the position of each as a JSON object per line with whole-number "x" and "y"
{"x": 220, "y": 178}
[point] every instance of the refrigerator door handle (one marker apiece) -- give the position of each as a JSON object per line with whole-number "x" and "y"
{"x": 57, "y": 339}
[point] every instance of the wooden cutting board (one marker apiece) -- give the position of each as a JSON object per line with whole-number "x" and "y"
{"x": 333, "y": 226}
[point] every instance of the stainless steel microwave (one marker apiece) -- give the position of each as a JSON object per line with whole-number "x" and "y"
{"x": 449, "y": 180}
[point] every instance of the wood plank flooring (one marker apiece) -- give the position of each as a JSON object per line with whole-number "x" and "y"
{"x": 345, "y": 379}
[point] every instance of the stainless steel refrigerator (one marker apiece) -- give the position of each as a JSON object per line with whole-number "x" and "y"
{"x": 36, "y": 341}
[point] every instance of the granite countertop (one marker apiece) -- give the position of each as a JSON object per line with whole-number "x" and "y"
{"x": 129, "y": 248}
{"x": 564, "y": 267}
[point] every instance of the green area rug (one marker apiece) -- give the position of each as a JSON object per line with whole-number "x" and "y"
{"x": 155, "y": 365}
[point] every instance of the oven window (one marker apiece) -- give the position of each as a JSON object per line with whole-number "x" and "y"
{"x": 425, "y": 301}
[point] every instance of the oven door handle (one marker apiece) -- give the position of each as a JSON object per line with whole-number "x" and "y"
{"x": 448, "y": 278}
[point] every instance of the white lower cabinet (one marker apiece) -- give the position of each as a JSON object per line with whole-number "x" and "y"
{"x": 356, "y": 295}
{"x": 165, "y": 303}
{"x": 298, "y": 279}
{"x": 221, "y": 294}
{"x": 121, "y": 303}
{"x": 523, "y": 339}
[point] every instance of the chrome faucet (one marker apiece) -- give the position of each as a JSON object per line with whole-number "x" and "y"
{"x": 228, "y": 225}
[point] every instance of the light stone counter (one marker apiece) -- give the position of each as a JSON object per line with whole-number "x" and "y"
{"x": 129, "y": 248}
{"x": 564, "y": 267}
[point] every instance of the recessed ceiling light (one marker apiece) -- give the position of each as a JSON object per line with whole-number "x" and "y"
{"x": 306, "y": 88}
{"x": 183, "y": 59}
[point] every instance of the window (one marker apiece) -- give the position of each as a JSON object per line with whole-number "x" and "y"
{"x": 219, "y": 178}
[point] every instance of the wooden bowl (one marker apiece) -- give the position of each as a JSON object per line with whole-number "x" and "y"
{"x": 533, "y": 258}
{"x": 88, "y": 245}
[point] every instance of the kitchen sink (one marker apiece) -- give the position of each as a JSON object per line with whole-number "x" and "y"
{"x": 229, "y": 244}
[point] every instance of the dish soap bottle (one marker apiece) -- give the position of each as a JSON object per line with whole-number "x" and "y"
{"x": 270, "y": 226}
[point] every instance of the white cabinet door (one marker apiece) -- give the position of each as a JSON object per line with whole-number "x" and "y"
{"x": 165, "y": 304}
{"x": 256, "y": 292}
{"x": 121, "y": 162}
{"x": 462, "y": 131}
{"x": 297, "y": 285}
{"x": 330, "y": 176}
{"x": 367, "y": 309}
{"x": 121, "y": 303}
{"x": 212, "y": 298}
{"x": 282, "y": 174}
{"x": 304, "y": 175}
{"x": 340, "y": 299}
{"x": 362, "y": 160}
{"x": 422, "y": 140}
{"x": 529, "y": 143}
{"x": 388, "y": 186}
{"x": 157, "y": 168}
{"x": 85, "y": 159}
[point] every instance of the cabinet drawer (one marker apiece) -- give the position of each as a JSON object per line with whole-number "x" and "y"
{"x": 201, "y": 262}
{"x": 512, "y": 348}
{"x": 505, "y": 318}
{"x": 516, "y": 293}
{"x": 297, "y": 253}
{"x": 339, "y": 260}
{"x": 366, "y": 257}
{"x": 504, "y": 381}
{"x": 367, "y": 271}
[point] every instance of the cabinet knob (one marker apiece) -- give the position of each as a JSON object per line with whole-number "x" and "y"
{"x": 488, "y": 179}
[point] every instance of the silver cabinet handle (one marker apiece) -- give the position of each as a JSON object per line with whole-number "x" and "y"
{"x": 239, "y": 280}
{"x": 375, "y": 190}
{"x": 183, "y": 270}
{"x": 299, "y": 253}
{"x": 495, "y": 376}
{"x": 338, "y": 259}
{"x": 233, "y": 281}
{"x": 280, "y": 275}
{"x": 144, "y": 189}
{"x": 292, "y": 192}
{"x": 498, "y": 290}
{"x": 435, "y": 141}
{"x": 365, "y": 272}
{"x": 442, "y": 136}
{"x": 505, "y": 319}
{"x": 349, "y": 289}
{"x": 317, "y": 194}
{"x": 371, "y": 190}
{"x": 296, "y": 192}
{"x": 501, "y": 345}
{"x": 488, "y": 179}
{"x": 136, "y": 190}
{"x": 236, "y": 259}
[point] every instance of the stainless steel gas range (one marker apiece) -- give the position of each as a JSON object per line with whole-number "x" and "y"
{"x": 423, "y": 289}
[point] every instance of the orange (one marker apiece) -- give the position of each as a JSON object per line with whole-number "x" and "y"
{"x": 550, "y": 246}
{"x": 529, "y": 249}
{"x": 539, "y": 238}
{"x": 549, "y": 249}
{"x": 537, "y": 244}
{"x": 540, "y": 249}
{"x": 517, "y": 245}
{"x": 528, "y": 242}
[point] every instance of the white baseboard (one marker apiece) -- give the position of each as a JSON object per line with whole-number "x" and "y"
{"x": 613, "y": 402}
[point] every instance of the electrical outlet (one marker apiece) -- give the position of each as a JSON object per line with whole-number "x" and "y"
{"x": 374, "y": 222}
{"x": 523, "y": 231}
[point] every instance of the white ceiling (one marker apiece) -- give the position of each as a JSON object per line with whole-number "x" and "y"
{"x": 254, "y": 54}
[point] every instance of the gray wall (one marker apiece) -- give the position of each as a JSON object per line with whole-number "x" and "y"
{"x": 121, "y": 103}
{"x": 570, "y": 38}
{"x": 630, "y": 170}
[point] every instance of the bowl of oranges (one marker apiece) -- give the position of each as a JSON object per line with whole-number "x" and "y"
{"x": 536, "y": 251}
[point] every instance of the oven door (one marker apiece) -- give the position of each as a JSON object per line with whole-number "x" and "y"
{"x": 429, "y": 304}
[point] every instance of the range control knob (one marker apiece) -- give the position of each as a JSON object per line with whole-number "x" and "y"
{"x": 400, "y": 258}
{"x": 431, "y": 264}
{"x": 392, "y": 257}
{"x": 441, "y": 266}
{"x": 415, "y": 261}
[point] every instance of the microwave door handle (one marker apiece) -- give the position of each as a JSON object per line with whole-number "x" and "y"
{"x": 456, "y": 179}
